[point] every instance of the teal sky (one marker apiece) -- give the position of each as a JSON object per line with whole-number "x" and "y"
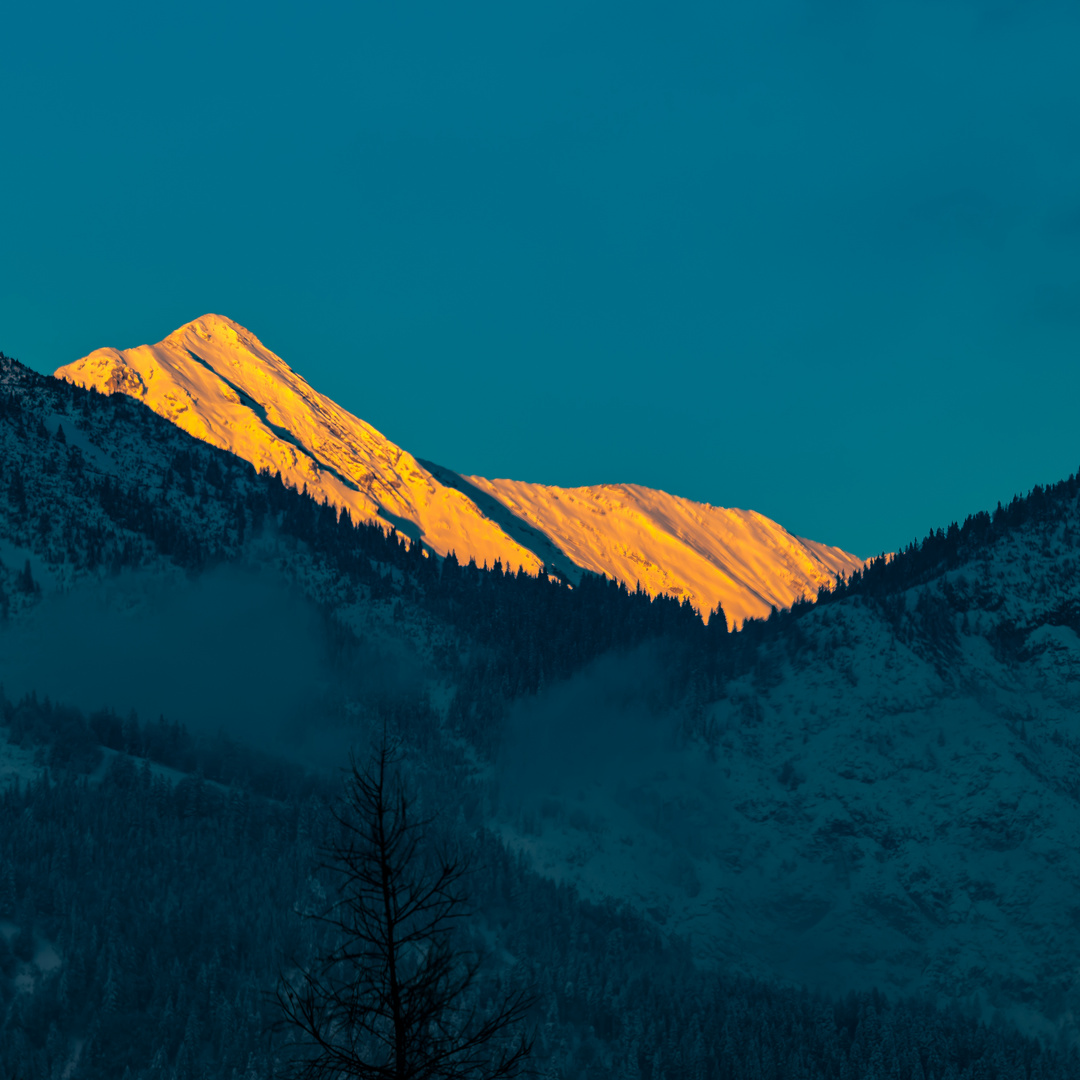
{"x": 818, "y": 258}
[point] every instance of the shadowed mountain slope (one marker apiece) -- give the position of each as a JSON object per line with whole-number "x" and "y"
{"x": 875, "y": 789}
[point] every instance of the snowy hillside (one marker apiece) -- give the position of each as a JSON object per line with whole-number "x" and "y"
{"x": 709, "y": 554}
{"x": 877, "y": 789}
{"x": 218, "y": 382}
{"x": 881, "y": 790}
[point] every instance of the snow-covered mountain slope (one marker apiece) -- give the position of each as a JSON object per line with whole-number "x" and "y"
{"x": 709, "y": 554}
{"x": 877, "y": 790}
{"x": 218, "y": 382}
{"x": 882, "y": 792}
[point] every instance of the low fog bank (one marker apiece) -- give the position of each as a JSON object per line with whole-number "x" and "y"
{"x": 599, "y": 763}
{"x": 603, "y": 724}
{"x": 235, "y": 650}
{"x": 599, "y": 787}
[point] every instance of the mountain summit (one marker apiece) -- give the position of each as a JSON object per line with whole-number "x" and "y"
{"x": 218, "y": 382}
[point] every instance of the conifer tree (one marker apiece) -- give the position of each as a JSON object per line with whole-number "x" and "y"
{"x": 394, "y": 997}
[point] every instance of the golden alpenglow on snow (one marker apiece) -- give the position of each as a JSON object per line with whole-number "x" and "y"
{"x": 739, "y": 558}
{"x": 218, "y": 382}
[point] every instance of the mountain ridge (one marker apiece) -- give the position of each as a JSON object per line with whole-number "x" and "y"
{"x": 874, "y": 789}
{"x": 217, "y": 381}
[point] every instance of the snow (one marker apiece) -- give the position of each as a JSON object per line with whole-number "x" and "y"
{"x": 879, "y": 815}
{"x": 16, "y": 764}
{"x": 673, "y": 546}
{"x": 868, "y": 810}
{"x": 15, "y": 557}
{"x": 218, "y": 382}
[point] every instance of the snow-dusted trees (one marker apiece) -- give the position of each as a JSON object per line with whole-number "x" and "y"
{"x": 394, "y": 997}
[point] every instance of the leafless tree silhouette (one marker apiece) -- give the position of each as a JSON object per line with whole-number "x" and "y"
{"x": 395, "y": 998}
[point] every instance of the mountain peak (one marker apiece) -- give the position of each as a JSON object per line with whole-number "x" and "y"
{"x": 210, "y": 324}
{"x": 219, "y": 382}
{"x": 224, "y": 332}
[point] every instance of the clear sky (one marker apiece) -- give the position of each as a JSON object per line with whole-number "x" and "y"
{"x": 820, "y": 258}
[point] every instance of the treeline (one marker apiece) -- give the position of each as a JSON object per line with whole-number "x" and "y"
{"x": 945, "y": 549}
{"x": 508, "y": 634}
{"x": 387, "y": 563}
{"x": 67, "y": 739}
{"x": 511, "y": 633}
{"x": 761, "y": 644}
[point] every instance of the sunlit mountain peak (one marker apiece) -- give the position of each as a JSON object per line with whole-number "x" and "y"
{"x": 211, "y": 326}
{"x": 216, "y": 380}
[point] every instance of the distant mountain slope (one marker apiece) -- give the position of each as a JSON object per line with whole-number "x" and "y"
{"x": 709, "y": 554}
{"x": 218, "y": 382}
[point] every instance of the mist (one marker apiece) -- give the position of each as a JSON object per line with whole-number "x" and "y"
{"x": 602, "y": 724}
{"x": 237, "y": 651}
{"x": 603, "y": 753}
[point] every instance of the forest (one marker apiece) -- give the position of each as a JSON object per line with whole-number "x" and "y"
{"x": 147, "y": 913}
{"x": 154, "y": 880}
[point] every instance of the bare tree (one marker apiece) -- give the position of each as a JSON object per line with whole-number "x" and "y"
{"x": 395, "y": 998}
